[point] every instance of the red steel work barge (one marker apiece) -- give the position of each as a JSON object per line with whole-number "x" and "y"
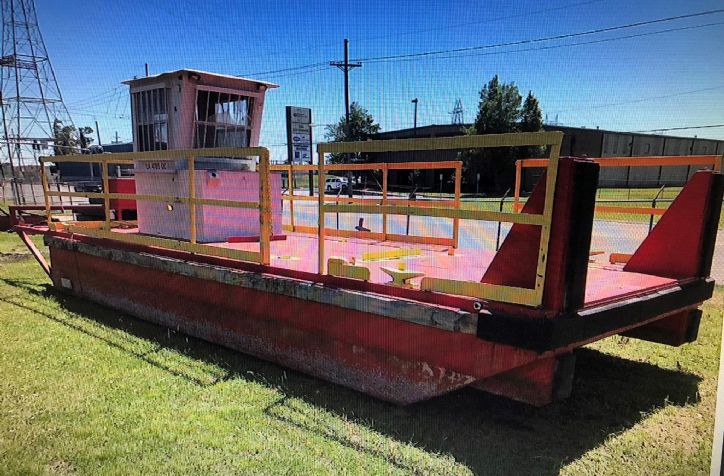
{"x": 401, "y": 317}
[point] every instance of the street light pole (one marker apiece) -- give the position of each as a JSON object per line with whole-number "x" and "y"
{"x": 414, "y": 130}
{"x": 414, "y": 120}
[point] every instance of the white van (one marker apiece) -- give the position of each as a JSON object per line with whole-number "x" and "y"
{"x": 335, "y": 184}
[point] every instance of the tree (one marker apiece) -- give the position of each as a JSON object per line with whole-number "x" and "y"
{"x": 531, "y": 120}
{"x": 531, "y": 117}
{"x": 361, "y": 126}
{"x": 499, "y": 112}
{"x": 499, "y": 108}
{"x": 69, "y": 140}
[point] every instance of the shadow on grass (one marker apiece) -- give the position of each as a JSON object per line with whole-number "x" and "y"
{"x": 487, "y": 434}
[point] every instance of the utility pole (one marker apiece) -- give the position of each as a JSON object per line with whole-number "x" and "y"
{"x": 98, "y": 133}
{"x": 346, "y": 67}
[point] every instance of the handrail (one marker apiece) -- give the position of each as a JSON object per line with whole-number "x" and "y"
{"x": 553, "y": 139}
{"x": 456, "y": 165}
{"x": 715, "y": 161}
{"x": 190, "y": 155}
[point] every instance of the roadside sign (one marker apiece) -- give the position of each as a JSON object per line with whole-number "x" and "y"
{"x": 299, "y": 135}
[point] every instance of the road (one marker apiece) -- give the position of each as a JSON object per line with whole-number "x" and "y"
{"x": 608, "y": 236}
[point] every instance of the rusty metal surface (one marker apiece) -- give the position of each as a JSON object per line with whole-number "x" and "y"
{"x": 390, "y": 359}
{"x": 419, "y": 313}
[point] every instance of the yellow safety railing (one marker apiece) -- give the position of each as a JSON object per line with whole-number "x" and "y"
{"x": 190, "y": 155}
{"x": 290, "y": 169}
{"x": 714, "y": 161}
{"x": 511, "y": 294}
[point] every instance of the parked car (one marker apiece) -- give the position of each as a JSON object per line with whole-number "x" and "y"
{"x": 335, "y": 184}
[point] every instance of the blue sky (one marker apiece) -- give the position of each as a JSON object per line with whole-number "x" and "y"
{"x": 673, "y": 79}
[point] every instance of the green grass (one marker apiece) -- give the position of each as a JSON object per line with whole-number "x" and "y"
{"x": 88, "y": 390}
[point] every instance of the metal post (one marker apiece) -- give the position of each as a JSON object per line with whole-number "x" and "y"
{"x": 291, "y": 195}
{"x": 106, "y": 198}
{"x": 44, "y": 182}
{"x": 653, "y": 205}
{"x": 98, "y": 133}
{"x": 456, "y": 221}
{"x": 414, "y": 131}
{"x": 320, "y": 223}
{"x": 500, "y": 209}
{"x": 192, "y": 198}
{"x": 516, "y": 191}
{"x": 384, "y": 201}
{"x": 265, "y": 209}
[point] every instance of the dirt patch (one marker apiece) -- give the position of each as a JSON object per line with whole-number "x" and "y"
{"x": 14, "y": 257}
{"x": 60, "y": 467}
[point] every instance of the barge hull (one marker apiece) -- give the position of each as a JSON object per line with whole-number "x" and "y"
{"x": 388, "y": 358}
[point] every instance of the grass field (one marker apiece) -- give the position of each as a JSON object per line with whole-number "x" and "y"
{"x": 88, "y": 390}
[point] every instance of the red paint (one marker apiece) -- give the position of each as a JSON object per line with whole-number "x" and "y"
{"x": 672, "y": 330}
{"x": 416, "y": 361}
{"x": 516, "y": 262}
{"x": 122, "y": 185}
{"x": 532, "y": 383}
{"x": 674, "y": 248}
{"x": 253, "y": 239}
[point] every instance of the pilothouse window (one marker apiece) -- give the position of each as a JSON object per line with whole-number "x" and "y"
{"x": 151, "y": 119}
{"x": 222, "y": 119}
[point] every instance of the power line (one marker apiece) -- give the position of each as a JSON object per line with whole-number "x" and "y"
{"x": 454, "y": 53}
{"x": 708, "y": 126}
{"x": 487, "y": 20}
{"x": 634, "y": 101}
{"x": 542, "y": 39}
{"x": 294, "y": 68}
{"x": 566, "y": 45}
{"x": 90, "y": 99}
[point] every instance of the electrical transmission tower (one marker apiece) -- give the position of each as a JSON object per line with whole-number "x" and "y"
{"x": 457, "y": 113}
{"x": 30, "y": 97}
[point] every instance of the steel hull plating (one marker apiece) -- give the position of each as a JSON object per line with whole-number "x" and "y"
{"x": 387, "y": 358}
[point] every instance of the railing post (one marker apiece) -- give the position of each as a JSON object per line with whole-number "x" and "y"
{"x": 500, "y": 208}
{"x": 653, "y": 205}
{"x": 46, "y": 189}
{"x": 456, "y": 221}
{"x": 192, "y": 197}
{"x": 106, "y": 197}
{"x": 291, "y": 195}
{"x": 320, "y": 226}
{"x": 265, "y": 209}
{"x": 384, "y": 201}
{"x": 545, "y": 233}
{"x": 516, "y": 193}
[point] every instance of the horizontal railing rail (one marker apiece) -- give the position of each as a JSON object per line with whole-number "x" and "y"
{"x": 714, "y": 161}
{"x": 383, "y": 201}
{"x": 190, "y": 199}
{"x": 553, "y": 139}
